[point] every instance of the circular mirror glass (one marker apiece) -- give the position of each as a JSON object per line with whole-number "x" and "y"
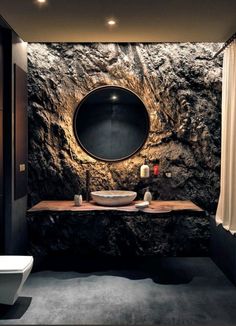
{"x": 111, "y": 123}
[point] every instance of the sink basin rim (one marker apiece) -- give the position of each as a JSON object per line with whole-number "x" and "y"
{"x": 113, "y": 193}
{"x": 113, "y": 197}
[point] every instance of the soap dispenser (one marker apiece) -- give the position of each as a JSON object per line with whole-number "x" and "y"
{"x": 147, "y": 195}
{"x": 145, "y": 170}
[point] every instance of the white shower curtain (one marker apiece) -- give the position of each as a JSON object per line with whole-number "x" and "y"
{"x": 226, "y": 210}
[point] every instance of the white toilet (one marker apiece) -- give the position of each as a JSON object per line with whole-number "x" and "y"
{"x": 14, "y": 271}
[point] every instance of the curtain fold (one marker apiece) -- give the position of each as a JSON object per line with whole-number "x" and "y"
{"x": 226, "y": 210}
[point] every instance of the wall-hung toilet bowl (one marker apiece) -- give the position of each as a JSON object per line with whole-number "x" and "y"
{"x": 14, "y": 271}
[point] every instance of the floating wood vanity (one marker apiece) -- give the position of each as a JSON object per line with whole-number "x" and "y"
{"x": 157, "y": 206}
{"x": 165, "y": 228}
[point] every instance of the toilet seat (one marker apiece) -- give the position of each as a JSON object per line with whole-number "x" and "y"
{"x": 13, "y": 264}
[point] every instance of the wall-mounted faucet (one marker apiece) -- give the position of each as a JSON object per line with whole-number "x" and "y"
{"x": 87, "y": 185}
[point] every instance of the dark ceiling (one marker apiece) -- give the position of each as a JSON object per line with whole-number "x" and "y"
{"x": 138, "y": 20}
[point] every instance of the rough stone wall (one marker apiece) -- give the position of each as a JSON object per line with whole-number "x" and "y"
{"x": 181, "y": 88}
{"x": 111, "y": 233}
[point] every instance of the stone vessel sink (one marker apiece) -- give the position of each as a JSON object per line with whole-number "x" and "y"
{"x": 113, "y": 197}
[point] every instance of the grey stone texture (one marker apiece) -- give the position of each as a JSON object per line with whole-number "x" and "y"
{"x": 161, "y": 292}
{"x": 181, "y": 88}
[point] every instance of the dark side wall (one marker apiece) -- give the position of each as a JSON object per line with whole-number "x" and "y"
{"x": 1, "y": 145}
{"x": 13, "y": 219}
{"x": 223, "y": 249}
{"x": 181, "y": 88}
{"x": 18, "y": 237}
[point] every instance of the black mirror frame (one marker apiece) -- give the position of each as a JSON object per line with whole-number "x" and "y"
{"x": 100, "y": 158}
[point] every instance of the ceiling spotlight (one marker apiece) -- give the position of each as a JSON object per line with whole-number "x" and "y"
{"x": 114, "y": 97}
{"x": 111, "y": 22}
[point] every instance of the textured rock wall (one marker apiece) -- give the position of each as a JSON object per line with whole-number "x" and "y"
{"x": 181, "y": 88}
{"x": 118, "y": 234}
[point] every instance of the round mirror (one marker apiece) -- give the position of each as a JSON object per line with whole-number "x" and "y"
{"x": 111, "y": 123}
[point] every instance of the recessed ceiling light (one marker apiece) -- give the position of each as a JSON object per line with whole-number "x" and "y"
{"x": 111, "y": 22}
{"x": 114, "y": 97}
{"x": 41, "y": 3}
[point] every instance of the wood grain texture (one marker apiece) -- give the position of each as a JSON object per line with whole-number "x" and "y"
{"x": 155, "y": 207}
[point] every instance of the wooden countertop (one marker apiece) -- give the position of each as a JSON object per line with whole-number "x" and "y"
{"x": 156, "y": 206}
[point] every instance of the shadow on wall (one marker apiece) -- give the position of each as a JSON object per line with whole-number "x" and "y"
{"x": 181, "y": 88}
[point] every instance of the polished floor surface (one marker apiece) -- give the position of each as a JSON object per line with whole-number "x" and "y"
{"x": 170, "y": 291}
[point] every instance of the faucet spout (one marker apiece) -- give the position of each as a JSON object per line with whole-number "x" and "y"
{"x": 87, "y": 185}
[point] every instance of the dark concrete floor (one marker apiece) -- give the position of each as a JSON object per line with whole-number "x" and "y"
{"x": 170, "y": 291}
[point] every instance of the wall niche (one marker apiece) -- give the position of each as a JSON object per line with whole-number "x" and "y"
{"x": 181, "y": 89}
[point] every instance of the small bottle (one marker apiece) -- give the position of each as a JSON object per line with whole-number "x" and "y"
{"x": 78, "y": 200}
{"x": 145, "y": 170}
{"x": 147, "y": 195}
{"x": 156, "y": 168}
